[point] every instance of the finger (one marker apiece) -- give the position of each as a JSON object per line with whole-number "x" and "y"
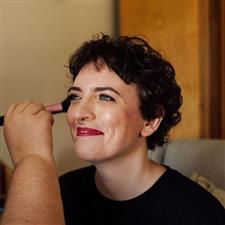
{"x": 10, "y": 110}
{"x": 22, "y": 106}
{"x": 46, "y": 115}
{"x": 34, "y": 108}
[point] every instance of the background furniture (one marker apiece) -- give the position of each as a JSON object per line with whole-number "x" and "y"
{"x": 204, "y": 156}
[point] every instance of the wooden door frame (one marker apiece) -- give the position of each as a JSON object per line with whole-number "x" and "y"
{"x": 222, "y": 54}
{"x": 212, "y": 68}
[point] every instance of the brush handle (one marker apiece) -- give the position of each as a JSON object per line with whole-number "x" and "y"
{"x": 54, "y": 109}
{"x": 1, "y": 120}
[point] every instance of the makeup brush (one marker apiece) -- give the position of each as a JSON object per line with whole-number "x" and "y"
{"x": 54, "y": 109}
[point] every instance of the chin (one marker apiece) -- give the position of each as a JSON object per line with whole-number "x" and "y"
{"x": 86, "y": 155}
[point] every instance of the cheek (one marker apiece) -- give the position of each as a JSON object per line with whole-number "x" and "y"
{"x": 112, "y": 119}
{"x": 135, "y": 122}
{"x": 69, "y": 117}
{"x": 120, "y": 124}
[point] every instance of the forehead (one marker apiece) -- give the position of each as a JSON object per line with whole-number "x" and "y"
{"x": 91, "y": 77}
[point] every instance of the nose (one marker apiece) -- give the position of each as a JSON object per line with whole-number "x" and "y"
{"x": 81, "y": 111}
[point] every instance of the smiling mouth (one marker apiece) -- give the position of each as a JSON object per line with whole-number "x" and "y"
{"x": 84, "y": 131}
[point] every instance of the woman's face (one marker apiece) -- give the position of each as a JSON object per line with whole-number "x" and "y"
{"x": 111, "y": 123}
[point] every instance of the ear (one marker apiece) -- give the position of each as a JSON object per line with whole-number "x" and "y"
{"x": 150, "y": 126}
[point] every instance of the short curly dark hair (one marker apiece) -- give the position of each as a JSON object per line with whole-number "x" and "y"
{"x": 136, "y": 62}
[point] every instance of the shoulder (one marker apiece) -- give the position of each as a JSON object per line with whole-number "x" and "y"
{"x": 186, "y": 187}
{"x": 194, "y": 202}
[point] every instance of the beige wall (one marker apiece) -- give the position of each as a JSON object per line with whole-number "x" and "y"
{"x": 37, "y": 37}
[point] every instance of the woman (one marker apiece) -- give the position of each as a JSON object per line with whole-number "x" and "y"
{"x": 124, "y": 100}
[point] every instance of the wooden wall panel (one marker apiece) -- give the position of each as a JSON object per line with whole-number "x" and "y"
{"x": 173, "y": 28}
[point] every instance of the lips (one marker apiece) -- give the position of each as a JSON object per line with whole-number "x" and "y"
{"x": 85, "y": 131}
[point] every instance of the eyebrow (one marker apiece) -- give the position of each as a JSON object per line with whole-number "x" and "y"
{"x": 97, "y": 89}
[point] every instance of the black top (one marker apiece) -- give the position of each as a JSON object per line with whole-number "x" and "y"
{"x": 172, "y": 200}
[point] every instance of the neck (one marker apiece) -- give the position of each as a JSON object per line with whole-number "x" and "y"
{"x": 128, "y": 176}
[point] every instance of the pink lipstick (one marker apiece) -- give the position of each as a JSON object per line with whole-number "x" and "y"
{"x": 85, "y": 131}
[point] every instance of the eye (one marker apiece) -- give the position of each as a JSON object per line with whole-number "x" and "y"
{"x": 108, "y": 98}
{"x": 74, "y": 97}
